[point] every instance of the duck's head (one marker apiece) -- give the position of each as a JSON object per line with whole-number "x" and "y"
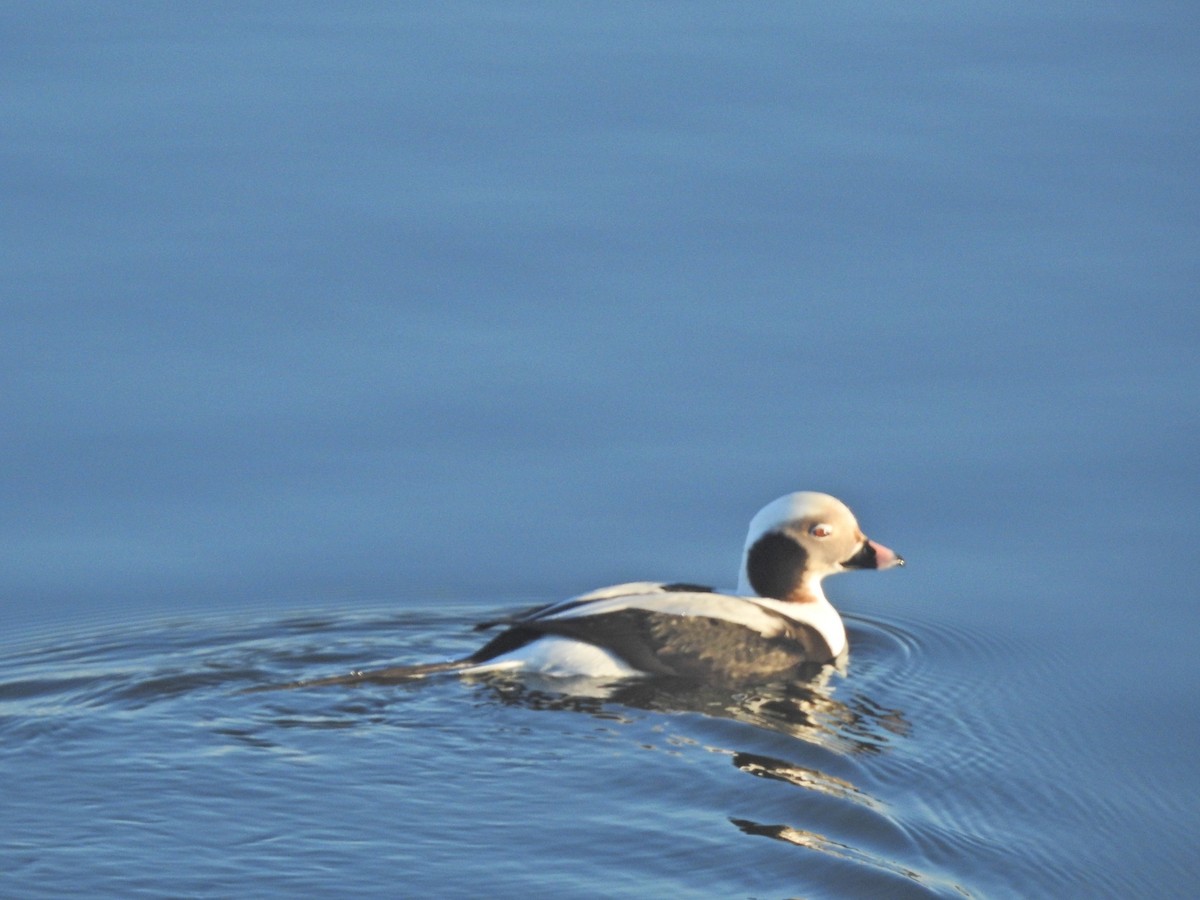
{"x": 797, "y": 540}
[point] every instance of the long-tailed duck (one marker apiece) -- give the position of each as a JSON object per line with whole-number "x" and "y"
{"x": 777, "y": 621}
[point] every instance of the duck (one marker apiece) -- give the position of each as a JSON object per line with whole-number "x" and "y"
{"x": 778, "y": 619}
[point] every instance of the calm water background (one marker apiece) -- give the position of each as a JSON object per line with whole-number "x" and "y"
{"x": 330, "y": 330}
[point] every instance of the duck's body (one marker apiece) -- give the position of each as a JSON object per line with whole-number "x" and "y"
{"x": 664, "y": 629}
{"x": 777, "y": 620}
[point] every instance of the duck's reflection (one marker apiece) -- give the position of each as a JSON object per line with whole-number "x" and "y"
{"x": 804, "y": 706}
{"x": 801, "y": 776}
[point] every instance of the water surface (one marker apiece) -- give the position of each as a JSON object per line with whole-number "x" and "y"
{"x": 327, "y": 333}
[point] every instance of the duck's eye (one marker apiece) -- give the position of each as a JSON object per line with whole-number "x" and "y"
{"x": 821, "y": 530}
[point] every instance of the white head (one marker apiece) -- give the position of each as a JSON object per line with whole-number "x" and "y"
{"x": 797, "y": 540}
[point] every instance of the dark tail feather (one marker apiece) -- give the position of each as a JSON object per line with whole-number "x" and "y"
{"x": 390, "y": 675}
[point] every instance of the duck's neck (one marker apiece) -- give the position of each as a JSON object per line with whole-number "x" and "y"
{"x": 807, "y": 603}
{"x": 807, "y": 590}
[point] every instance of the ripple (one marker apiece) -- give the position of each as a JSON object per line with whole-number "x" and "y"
{"x": 906, "y": 876}
{"x": 972, "y": 695}
{"x": 937, "y": 673}
{"x": 918, "y": 654}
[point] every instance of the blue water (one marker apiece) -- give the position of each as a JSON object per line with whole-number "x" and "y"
{"x": 328, "y": 332}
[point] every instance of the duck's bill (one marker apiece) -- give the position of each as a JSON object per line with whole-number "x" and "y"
{"x": 872, "y": 555}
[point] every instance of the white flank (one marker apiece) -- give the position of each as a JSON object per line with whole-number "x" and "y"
{"x": 559, "y": 656}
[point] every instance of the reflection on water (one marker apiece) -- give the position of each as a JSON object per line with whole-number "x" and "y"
{"x": 807, "y": 707}
{"x": 804, "y": 707}
{"x": 810, "y": 779}
{"x": 822, "y": 844}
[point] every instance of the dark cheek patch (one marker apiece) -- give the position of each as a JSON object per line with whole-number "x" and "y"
{"x": 775, "y": 565}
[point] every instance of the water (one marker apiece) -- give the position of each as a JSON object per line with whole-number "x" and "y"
{"x": 327, "y": 334}
{"x": 445, "y": 785}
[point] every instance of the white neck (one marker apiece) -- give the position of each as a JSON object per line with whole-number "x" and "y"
{"x": 816, "y": 611}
